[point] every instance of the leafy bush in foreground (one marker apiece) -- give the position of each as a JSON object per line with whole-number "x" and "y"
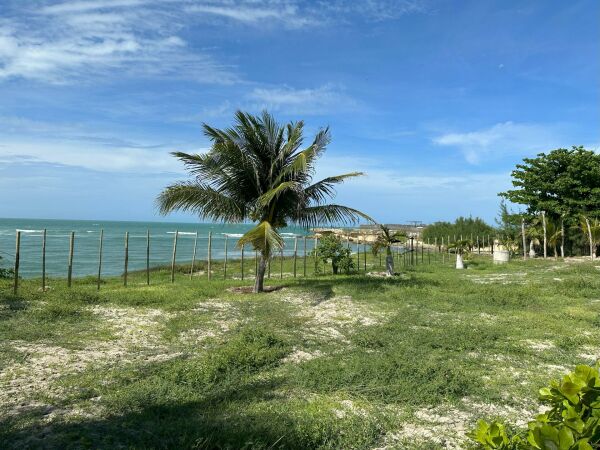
{"x": 572, "y": 423}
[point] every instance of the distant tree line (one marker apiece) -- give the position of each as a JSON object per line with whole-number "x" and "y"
{"x": 468, "y": 228}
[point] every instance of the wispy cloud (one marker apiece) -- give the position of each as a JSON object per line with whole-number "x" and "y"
{"x": 67, "y": 41}
{"x": 402, "y": 194}
{"x": 501, "y": 139}
{"x": 250, "y": 12}
{"x": 299, "y": 13}
{"x": 318, "y": 100}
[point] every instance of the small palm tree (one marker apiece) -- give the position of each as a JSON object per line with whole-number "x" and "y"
{"x": 257, "y": 170}
{"x": 535, "y": 233}
{"x": 591, "y": 229}
{"x": 385, "y": 240}
{"x": 554, "y": 232}
{"x": 461, "y": 247}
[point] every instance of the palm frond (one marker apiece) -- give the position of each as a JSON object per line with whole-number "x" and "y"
{"x": 330, "y": 214}
{"x": 319, "y": 191}
{"x": 263, "y": 237}
{"x": 200, "y": 199}
{"x": 272, "y": 194}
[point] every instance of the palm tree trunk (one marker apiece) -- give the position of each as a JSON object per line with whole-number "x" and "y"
{"x": 545, "y": 236}
{"x": 389, "y": 262}
{"x": 589, "y": 229}
{"x": 459, "y": 261}
{"x": 524, "y": 238}
{"x": 562, "y": 237}
{"x": 260, "y": 274}
{"x": 531, "y": 249}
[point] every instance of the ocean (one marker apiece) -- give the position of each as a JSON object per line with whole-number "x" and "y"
{"x": 87, "y": 237}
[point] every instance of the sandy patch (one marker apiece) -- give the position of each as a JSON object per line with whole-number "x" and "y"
{"x": 499, "y": 278}
{"x": 539, "y": 346}
{"x": 222, "y": 317}
{"x": 136, "y": 332}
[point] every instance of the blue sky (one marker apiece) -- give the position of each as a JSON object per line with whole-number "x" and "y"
{"x": 436, "y": 100}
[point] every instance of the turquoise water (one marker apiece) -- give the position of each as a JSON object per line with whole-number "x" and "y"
{"x": 87, "y": 237}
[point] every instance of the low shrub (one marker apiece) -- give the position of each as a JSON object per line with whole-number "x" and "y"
{"x": 572, "y": 423}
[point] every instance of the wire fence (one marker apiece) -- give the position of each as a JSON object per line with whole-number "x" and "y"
{"x": 39, "y": 254}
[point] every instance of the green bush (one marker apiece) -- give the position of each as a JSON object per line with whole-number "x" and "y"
{"x": 331, "y": 249}
{"x": 572, "y": 423}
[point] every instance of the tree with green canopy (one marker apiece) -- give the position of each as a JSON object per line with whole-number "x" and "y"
{"x": 331, "y": 249}
{"x": 564, "y": 184}
{"x": 462, "y": 226}
{"x": 258, "y": 171}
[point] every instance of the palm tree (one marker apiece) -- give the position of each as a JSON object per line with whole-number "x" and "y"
{"x": 535, "y": 232}
{"x": 591, "y": 230}
{"x": 385, "y": 240}
{"x": 257, "y": 171}
{"x": 462, "y": 246}
{"x": 554, "y": 236}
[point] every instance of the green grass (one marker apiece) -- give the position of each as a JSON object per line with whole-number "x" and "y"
{"x": 350, "y": 361}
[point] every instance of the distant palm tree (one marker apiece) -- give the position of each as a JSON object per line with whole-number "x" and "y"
{"x": 385, "y": 240}
{"x": 554, "y": 231}
{"x": 462, "y": 247}
{"x": 535, "y": 232}
{"x": 256, "y": 170}
{"x": 591, "y": 230}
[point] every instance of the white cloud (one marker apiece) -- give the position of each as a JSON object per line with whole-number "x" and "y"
{"x": 398, "y": 194}
{"x": 302, "y": 101}
{"x": 251, "y": 13}
{"x": 82, "y": 40}
{"x": 65, "y": 41}
{"x": 94, "y": 157}
{"x": 502, "y": 139}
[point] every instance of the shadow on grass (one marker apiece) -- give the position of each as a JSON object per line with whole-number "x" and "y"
{"x": 360, "y": 282}
{"x": 247, "y": 415}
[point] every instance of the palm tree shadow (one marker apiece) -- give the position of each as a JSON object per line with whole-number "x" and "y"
{"x": 220, "y": 419}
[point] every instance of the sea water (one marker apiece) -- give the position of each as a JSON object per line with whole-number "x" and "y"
{"x": 87, "y": 240}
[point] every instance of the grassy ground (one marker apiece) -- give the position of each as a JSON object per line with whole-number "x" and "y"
{"x": 325, "y": 362}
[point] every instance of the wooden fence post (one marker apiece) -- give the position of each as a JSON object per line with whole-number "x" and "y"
{"x": 304, "y": 255}
{"x": 70, "y": 265}
{"x": 316, "y": 258}
{"x": 17, "y": 261}
{"x": 44, "y": 261}
{"x": 443, "y": 253}
{"x": 194, "y": 255}
{"x": 281, "y": 263}
{"x": 242, "y": 263}
{"x": 100, "y": 245}
{"x": 148, "y": 257}
{"x": 225, "y": 261}
{"x": 126, "y": 258}
{"x": 209, "y": 256}
{"x": 295, "y": 254}
{"x": 174, "y": 256}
